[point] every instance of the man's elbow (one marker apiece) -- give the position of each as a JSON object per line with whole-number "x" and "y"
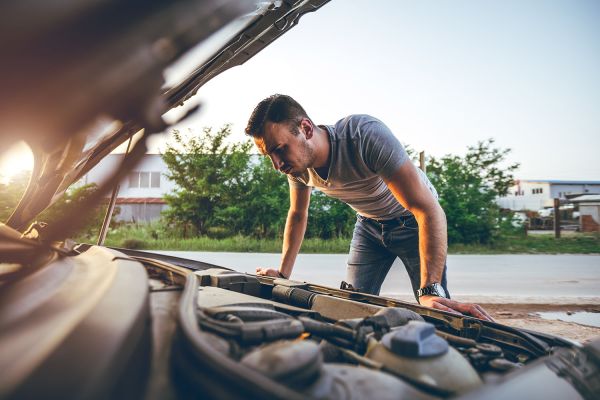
{"x": 431, "y": 211}
{"x": 297, "y": 215}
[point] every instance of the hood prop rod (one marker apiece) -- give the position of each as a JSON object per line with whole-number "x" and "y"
{"x": 111, "y": 206}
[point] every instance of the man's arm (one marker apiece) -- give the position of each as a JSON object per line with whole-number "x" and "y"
{"x": 295, "y": 227}
{"x": 410, "y": 190}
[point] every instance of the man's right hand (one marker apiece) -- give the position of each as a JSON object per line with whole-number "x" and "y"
{"x": 455, "y": 307}
{"x": 267, "y": 272}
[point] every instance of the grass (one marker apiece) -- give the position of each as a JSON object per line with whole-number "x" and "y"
{"x": 543, "y": 244}
{"x": 154, "y": 237}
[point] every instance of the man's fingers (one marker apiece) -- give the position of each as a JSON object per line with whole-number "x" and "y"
{"x": 477, "y": 312}
{"x": 267, "y": 272}
{"x": 466, "y": 308}
{"x": 482, "y": 310}
{"x": 439, "y": 306}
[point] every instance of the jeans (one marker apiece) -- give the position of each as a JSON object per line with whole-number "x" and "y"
{"x": 374, "y": 247}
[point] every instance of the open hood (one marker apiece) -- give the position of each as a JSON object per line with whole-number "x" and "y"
{"x": 84, "y": 77}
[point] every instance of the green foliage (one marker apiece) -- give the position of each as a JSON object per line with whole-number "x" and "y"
{"x": 133, "y": 243}
{"x": 211, "y": 176}
{"x": 223, "y": 189}
{"x": 11, "y": 192}
{"x": 145, "y": 237}
{"x": 329, "y": 217}
{"x": 468, "y": 187}
{"x": 266, "y": 201}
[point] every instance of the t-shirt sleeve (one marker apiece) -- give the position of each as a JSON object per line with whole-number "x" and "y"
{"x": 381, "y": 150}
{"x": 295, "y": 183}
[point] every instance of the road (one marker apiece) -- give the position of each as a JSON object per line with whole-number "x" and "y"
{"x": 487, "y": 278}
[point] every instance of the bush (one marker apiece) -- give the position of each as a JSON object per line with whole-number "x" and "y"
{"x": 218, "y": 232}
{"x": 468, "y": 187}
{"x": 134, "y": 244}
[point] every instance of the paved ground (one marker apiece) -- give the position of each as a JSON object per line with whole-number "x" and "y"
{"x": 513, "y": 288}
{"x": 501, "y": 277}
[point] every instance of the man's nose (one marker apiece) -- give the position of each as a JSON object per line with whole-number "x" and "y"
{"x": 277, "y": 163}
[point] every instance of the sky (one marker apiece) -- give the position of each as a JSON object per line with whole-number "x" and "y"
{"x": 442, "y": 75}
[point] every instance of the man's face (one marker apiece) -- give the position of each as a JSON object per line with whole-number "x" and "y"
{"x": 290, "y": 153}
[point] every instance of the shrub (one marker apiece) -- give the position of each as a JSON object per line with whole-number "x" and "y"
{"x": 133, "y": 244}
{"x": 218, "y": 232}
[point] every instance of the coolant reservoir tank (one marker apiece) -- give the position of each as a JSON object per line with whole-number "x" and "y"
{"x": 416, "y": 353}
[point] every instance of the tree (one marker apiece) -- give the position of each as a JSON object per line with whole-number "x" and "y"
{"x": 211, "y": 176}
{"x": 468, "y": 187}
{"x": 266, "y": 201}
{"x": 329, "y": 217}
{"x": 224, "y": 190}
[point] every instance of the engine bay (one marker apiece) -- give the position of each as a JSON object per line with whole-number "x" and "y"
{"x": 102, "y": 323}
{"x": 315, "y": 343}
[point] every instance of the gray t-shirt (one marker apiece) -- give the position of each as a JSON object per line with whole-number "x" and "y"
{"x": 363, "y": 151}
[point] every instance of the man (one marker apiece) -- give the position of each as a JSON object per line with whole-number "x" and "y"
{"x": 359, "y": 161}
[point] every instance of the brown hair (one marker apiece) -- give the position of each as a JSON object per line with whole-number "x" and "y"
{"x": 275, "y": 108}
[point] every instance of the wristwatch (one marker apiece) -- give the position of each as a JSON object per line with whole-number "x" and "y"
{"x": 434, "y": 289}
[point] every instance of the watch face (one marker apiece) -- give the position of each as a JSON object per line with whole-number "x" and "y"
{"x": 435, "y": 289}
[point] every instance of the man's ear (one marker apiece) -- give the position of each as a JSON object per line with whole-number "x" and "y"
{"x": 307, "y": 128}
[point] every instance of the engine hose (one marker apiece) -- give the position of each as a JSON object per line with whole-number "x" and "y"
{"x": 294, "y": 296}
{"x": 246, "y": 314}
{"x": 252, "y": 332}
{"x": 326, "y": 330}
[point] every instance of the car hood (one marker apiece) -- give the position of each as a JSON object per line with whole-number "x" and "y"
{"x": 84, "y": 77}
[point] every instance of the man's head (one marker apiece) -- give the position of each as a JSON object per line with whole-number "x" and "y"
{"x": 282, "y": 130}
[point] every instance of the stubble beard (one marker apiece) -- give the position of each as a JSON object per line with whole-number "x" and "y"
{"x": 307, "y": 158}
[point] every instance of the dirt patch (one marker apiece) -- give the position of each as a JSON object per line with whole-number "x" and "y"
{"x": 523, "y": 316}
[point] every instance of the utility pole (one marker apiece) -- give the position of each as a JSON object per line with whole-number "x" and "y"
{"x": 422, "y": 161}
{"x": 556, "y": 218}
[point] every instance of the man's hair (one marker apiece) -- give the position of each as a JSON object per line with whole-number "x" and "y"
{"x": 275, "y": 108}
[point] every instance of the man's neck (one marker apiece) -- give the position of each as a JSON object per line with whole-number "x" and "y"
{"x": 322, "y": 149}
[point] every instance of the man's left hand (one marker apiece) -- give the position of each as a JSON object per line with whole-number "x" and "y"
{"x": 268, "y": 272}
{"x": 455, "y": 307}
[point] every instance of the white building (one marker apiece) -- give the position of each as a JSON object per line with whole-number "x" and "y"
{"x": 141, "y": 194}
{"x": 535, "y": 195}
{"x": 589, "y": 212}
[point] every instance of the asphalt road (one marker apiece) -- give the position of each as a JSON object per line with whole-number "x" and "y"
{"x": 487, "y": 278}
